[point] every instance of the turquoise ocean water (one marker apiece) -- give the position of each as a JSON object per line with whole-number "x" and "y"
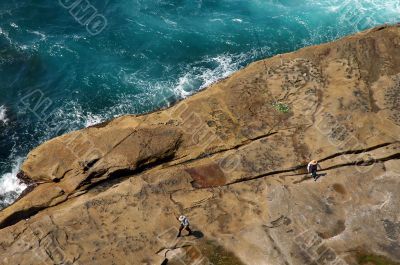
{"x": 62, "y": 70}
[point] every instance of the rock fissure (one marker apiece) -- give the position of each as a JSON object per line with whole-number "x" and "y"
{"x": 365, "y": 162}
{"x": 353, "y": 163}
{"x": 359, "y": 151}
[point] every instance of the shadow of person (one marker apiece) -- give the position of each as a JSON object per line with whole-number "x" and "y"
{"x": 197, "y": 234}
{"x": 320, "y": 175}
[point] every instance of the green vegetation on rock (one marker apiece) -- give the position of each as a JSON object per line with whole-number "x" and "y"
{"x": 374, "y": 260}
{"x": 218, "y": 255}
{"x": 206, "y": 252}
{"x": 281, "y": 107}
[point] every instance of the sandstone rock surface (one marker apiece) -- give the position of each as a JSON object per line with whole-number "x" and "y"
{"x": 232, "y": 158}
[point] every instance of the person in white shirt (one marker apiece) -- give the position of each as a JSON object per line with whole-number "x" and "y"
{"x": 312, "y": 168}
{"x": 184, "y": 225}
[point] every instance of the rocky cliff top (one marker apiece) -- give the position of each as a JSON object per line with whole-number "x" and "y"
{"x": 233, "y": 159}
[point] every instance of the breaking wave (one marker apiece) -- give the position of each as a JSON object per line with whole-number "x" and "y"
{"x": 10, "y": 186}
{"x": 3, "y": 115}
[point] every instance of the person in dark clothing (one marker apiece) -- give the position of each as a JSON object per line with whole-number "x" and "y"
{"x": 312, "y": 168}
{"x": 184, "y": 225}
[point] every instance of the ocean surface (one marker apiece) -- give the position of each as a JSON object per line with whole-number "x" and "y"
{"x": 62, "y": 70}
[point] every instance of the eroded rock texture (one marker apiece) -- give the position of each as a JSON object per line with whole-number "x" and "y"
{"x": 232, "y": 158}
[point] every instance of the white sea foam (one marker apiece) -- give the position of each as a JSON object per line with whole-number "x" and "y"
{"x": 169, "y": 22}
{"x": 217, "y": 20}
{"x": 10, "y": 186}
{"x": 73, "y": 114}
{"x": 184, "y": 85}
{"x": 77, "y": 37}
{"x": 362, "y": 14}
{"x": 18, "y": 45}
{"x": 3, "y": 114}
{"x": 93, "y": 119}
{"x": 59, "y": 49}
{"x": 74, "y": 117}
{"x": 39, "y": 34}
{"x": 237, "y": 20}
{"x": 199, "y": 77}
{"x": 5, "y": 34}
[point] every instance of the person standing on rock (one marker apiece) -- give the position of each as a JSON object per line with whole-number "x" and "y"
{"x": 312, "y": 168}
{"x": 184, "y": 225}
